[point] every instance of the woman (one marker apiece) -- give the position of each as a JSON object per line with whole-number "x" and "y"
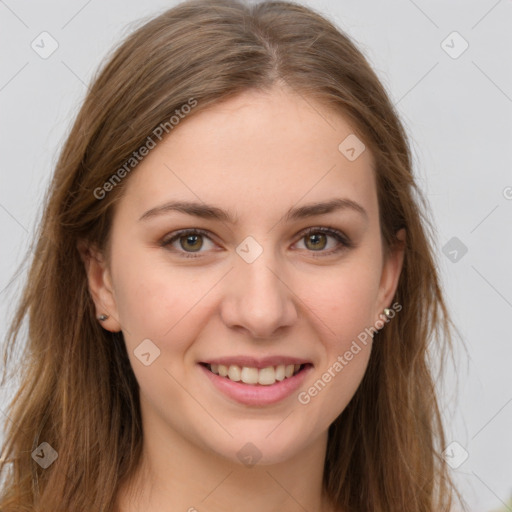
{"x": 233, "y": 290}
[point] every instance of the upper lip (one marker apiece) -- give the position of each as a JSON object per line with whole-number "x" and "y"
{"x": 255, "y": 362}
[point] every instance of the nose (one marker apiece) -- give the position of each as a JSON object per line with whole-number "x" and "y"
{"x": 258, "y": 299}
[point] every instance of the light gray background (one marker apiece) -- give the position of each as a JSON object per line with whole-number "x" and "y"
{"x": 458, "y": 112}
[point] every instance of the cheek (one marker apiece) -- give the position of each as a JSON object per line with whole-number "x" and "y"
{"x": 158, "y": 301}
{"x": 343, "y": 301}
{"x": 348, "y": 312}
{"x": 344, "y": 298}
{"x": 143, "y": 294}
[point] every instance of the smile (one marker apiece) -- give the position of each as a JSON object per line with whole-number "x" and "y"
{"x": 255, "y": 382}
{"x": 254, "y": 376}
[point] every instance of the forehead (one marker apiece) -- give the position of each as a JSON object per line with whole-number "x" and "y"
{"x": 266, "y": 149}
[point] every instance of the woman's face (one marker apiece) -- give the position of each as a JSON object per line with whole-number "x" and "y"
{"x": 256, "y": 283}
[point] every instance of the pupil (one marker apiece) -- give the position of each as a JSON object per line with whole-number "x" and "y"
{"x": 316, "y": 243}
{"x": 191, "y": 239}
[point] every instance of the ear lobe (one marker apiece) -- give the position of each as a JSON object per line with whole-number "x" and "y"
{"x": 99, "y": 283}
{"x": 391, "y": 271}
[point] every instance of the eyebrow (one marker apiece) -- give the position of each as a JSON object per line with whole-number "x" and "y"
{"x": 206, "y": 211}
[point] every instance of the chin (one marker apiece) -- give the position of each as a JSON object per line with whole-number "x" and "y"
{"x": 263, "y": 446}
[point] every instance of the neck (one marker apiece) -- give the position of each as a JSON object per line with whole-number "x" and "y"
{"x": 175, "y": 474}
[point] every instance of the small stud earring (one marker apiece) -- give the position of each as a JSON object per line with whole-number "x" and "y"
{"x": 102, "y": 318}
{"x": 387, "y": 311}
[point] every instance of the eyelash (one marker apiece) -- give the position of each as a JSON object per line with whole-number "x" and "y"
{"x": 345, "y": 243}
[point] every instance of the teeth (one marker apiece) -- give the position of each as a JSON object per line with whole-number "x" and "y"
{"x": 266, "y": 376}
{"x": 249, "y": 375}
{"x": 280, "y": 372}
{"x": 234, "y": 372}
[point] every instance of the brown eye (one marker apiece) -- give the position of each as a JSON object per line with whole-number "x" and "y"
{"x": 191, "y": 242}
{"x": 318, "y": 241}
{"x": 324, "y": 241}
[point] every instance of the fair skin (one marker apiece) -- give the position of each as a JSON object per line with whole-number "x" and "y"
{"x": 255, "y": 156}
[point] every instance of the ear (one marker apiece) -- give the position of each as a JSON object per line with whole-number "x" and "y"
{"x": 100, "y": 285}
{"x": 391, "y": 271}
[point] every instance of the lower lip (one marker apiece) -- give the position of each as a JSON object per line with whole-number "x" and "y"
{"x": 257, "y": 394}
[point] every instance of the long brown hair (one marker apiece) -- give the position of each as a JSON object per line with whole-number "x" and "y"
{"x": 78, "y": 392}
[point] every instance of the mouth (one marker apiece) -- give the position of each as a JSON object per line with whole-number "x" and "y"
{"x": 253, "y": 376}
{"x": 256, "y": 382}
